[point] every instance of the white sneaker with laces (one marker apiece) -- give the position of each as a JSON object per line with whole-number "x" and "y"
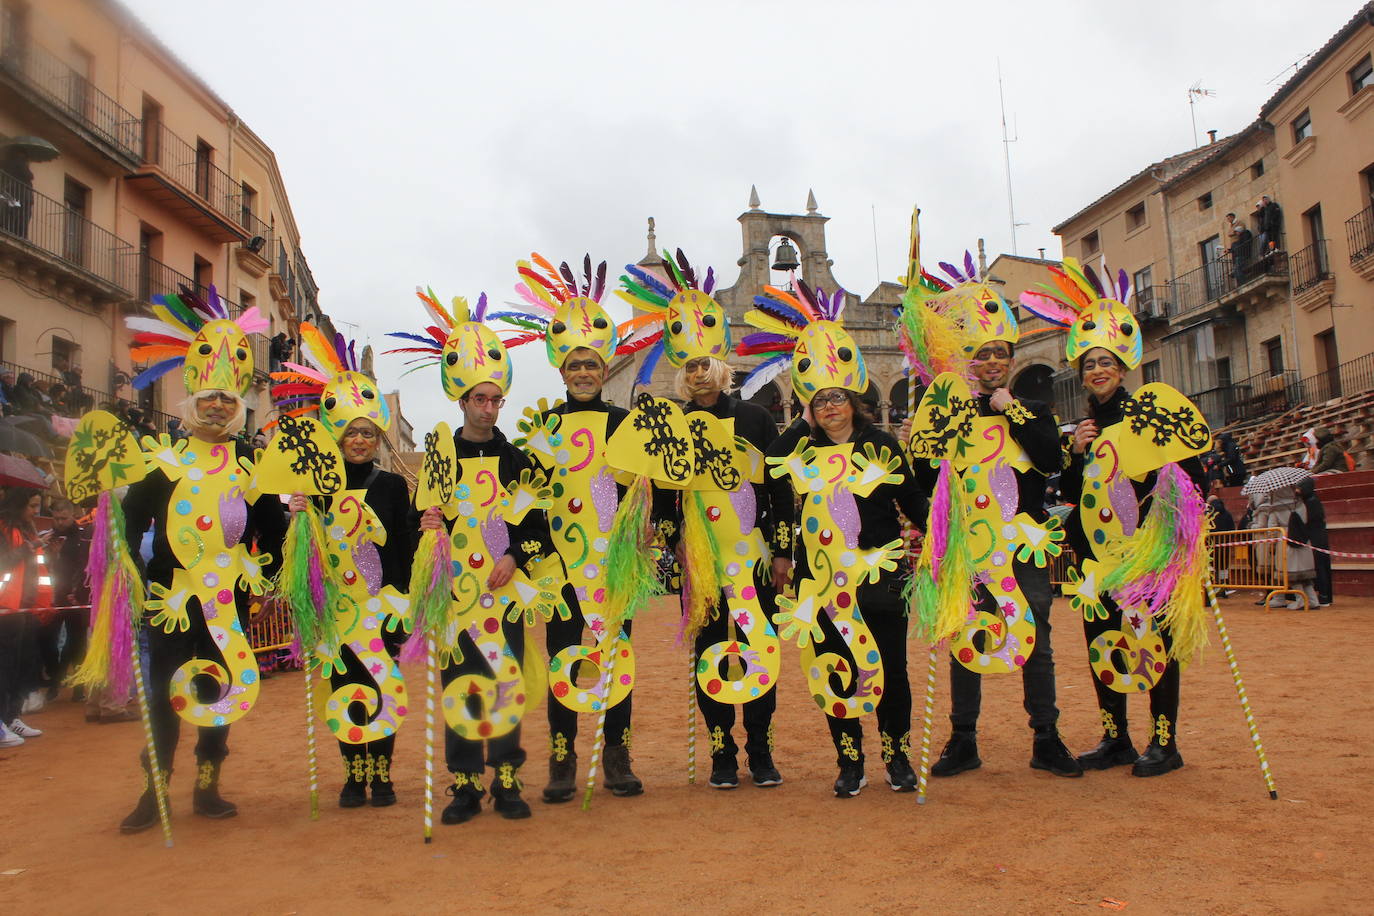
{"x": 24, "y": 731}
{"x": 9, "y": 738}
{"x": 34, "y": 702}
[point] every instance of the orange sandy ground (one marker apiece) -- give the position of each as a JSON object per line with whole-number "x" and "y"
{"x": 1206, "y": 839}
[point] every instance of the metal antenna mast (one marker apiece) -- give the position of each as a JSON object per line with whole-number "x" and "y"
{"x": 1196, "y": 92}
{"x": 1006, "y": 158}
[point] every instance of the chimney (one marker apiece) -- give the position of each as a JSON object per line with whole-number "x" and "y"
{"x": 1211, "y": 136}
{"x": 1042, "y": 254}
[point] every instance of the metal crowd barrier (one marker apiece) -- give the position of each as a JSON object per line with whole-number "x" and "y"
{"x": 269, "y": 628}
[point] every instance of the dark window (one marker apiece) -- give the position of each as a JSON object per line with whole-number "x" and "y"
{"x": 1362, "y": 75}
{"x": 1135, "y": 217}
{"x": 247, "y": 202}
{"x": 1145, "y": 291}
{"x": 1150, "y": 371}
{"x": 1257, "y": 169}
{"x": 79, "y": 83}
{"x": 152, "y": 130}
{"x": 1368, "y": 176}
{"x": 64, "y": 354}
{"x": 203, "y": 275}
{"x": 1273, "y": 354}
{"x": 1215, "y": 274}
{"x": 1205, "y": 201}
{"x": 205, "y": 158}
{"x": 14, "y": 33}
{"x": 1224, "y": 372}
{"x": 1302, "y": 127}
{"x": 1091, "y": 244}
{"x": 1312, "y": 219}
{"x": 76, "y": 199}
{"x": 149, "y": 250}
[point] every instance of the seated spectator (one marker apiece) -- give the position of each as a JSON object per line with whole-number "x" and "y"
{"x": 1327, "y": 455}
{"x": 25, "y": 395}
{"x": 1233, "y": 464}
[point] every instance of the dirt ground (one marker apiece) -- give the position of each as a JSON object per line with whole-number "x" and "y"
{"x": 1206, "y": 839}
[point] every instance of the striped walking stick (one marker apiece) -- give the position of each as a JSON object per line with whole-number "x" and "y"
{"x": 599, "y": 741}
{"x": 429, "y": 739}
{"x": 310, "y": 745}
{"x": 926, "y": 719}
{"x": 691, "y": 716}
{"x": 154, "y": 771}
{"x": 1240, "y": 693}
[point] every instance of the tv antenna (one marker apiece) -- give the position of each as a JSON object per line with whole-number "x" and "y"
{"x": 1196, "y": 92}
{"x": 1007, "y": 140}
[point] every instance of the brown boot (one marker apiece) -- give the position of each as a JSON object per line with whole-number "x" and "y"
{"x": 145, "y": 813}
{"x": 562, "y": 778}
{"x": 620, "y": 779}
{"x": 205, "y": 799}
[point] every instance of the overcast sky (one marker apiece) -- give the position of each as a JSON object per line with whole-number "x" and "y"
{"x": 440, "y": 144}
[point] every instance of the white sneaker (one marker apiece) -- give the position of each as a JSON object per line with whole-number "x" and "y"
{"x": 34, "y": 702}
{"x": 1296, "y": 605}
{"x": 24, "y": 731}
{"x": 9, "y": 738}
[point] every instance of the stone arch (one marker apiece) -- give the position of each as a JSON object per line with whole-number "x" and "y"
{"x": 1034, "y": 382}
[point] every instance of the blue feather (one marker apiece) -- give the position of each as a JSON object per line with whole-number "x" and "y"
{"x": 651, "y": 358}
{"x": 781, "y": 310}
{"x": 514, "y": 317}
{"x": 649, "y": 280}
{"x": 427, "y": 341}
{"x": 156, "y": 371}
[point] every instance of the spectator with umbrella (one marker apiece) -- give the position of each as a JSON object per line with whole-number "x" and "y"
{"x": 1277, "y": 505}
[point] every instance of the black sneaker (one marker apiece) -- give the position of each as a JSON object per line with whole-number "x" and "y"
{"x": 850, "y": 780}
{"x": 765, "y": 774}
{"x": 959, "y": 756}
{"x": 1110, "y": 752}
{"x": 724, "y": 772}
{"x": 900, "y": 776}
{"x": 1049, "y": 753}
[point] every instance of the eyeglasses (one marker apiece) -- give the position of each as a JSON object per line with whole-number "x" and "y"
{"x": 697, "y": 365}
{"x": 360, "y": 432}
{"x": 1101, "y": 362}
{"x": 833, "y": 399}
{"x": 988, "y": 353}
{"x": 481, "y": 400}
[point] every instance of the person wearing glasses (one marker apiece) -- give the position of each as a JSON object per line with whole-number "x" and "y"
{"x": 1031, "y": 425}
{"x": 847, "y": 613}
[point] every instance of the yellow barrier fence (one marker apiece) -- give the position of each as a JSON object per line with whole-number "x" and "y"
{"x": 268, "y": 626}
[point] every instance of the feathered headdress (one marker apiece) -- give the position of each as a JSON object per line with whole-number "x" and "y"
{"x": 1092, "y": 311}
{"x": 199, "y": 335}
{"x": 564, "y": 312}
{"x": 694, "y": 324}
{"x": 467, "y": 351}
{"x": 331, "y": 384}
{"x": 803, "y": 333}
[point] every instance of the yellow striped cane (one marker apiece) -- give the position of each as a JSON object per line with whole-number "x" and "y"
{"x": 599, "y": 741}
{"x": 691, "y": 715}
{"x": 429, "y": 739}
{"x": 310, "y": 744}
{"x": 1240, "y": 693}
{"x": 154, "y": 770}
{"x": 926, "y": 720}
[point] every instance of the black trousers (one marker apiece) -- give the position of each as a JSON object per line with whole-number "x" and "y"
{"x": 1037, "y": 675}
{"x": 59, "y": 659}
{"x": 166, "y": 653}
{"x": 560, "y": 634}
{"x": 19, "y": 664}
{"x": 758, "y": 712}
{"x": 1163, "y": 695}
{"x": 355, "y": 673}
{"x": 464, "y": 755}
{"x": 1323, "y": 583}
{"x": 881, "y": 605}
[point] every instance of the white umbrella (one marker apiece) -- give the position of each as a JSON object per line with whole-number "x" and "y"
{"x": 1275, "y": 479}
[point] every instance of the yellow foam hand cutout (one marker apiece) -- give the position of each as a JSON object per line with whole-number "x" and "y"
{"x": 539, "y": 431}
{"x": 102, "y": 454}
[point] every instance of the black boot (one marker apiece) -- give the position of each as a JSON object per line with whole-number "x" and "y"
{"x": 505, "y": 794}
{"x": 354, "y": 791}
{"x": 562, "y": 778}
{"x": 724, "y": 772}
{"x": 764, "y": 773}
{"x": 620, "y": 779}
{"x": 959, "y": 756}
{"x": 1110, "y": 752}
{"x": 383, "y": 792}
{"x": 145, "y": 813}
{"x": 1157, "y": 760}
{"x": 1049, "y": 753}
{"x": 467, "y": 795}
{"x": 850, "y": 780}
{"x": 205, "y": 799}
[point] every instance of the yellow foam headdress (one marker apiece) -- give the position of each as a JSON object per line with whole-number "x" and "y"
{"x": 694, "y": 324}
{"x": 979, "y": 309}
{"x": 564, "y": 313}
{"x": 467, "y": 351}
{"x": 331, "y": 384}
{"x": 198, "y": 336}
{"x": 804, "y": 333}
{"x": 1079, "y": 301}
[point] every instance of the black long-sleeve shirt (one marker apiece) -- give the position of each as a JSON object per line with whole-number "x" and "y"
{"x": 879, "y": 522}
{"x": 146, "y": 504}
{"x": 1105, "y": 414}
{"x": 389, "y": 499}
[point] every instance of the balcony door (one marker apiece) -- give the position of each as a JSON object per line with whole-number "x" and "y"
{"x": 1215, "y": 274}
{"x": 76, "y": 199}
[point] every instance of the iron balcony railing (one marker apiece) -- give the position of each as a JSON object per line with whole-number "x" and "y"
{"x": 1359, "y": 232}
{"x": 1204, "y": 286}
{"x": 193, "y": 170}
{"x": 1310, "y": 266}
{"x": 1353, "y": 377}
{"x": 1263, "y": 394}
{"x": 48, "y": 225}
{"x": 89, "y": 397}
{"x": 1153, "y": 302}
{"x": 61, "y": 87}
